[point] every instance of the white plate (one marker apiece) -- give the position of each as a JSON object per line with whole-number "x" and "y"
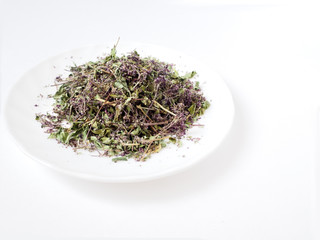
{"x": 20, "y": 115}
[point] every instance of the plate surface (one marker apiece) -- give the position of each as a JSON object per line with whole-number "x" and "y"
{"x": 20, "y": 117}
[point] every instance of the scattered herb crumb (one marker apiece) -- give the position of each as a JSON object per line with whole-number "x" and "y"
{"x": 194, "y": 139}
{"x": 119, "y": 159}
{"x": 126, "y": 107}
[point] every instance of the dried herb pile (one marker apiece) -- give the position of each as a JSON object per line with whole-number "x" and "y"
{"x": 124, "y": 106}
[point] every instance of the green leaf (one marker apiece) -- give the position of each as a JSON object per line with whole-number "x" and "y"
{"x": 62, "y": 135}
{"x": 192, "y": 109}
{"x": 136, "y": 131}
{"x": 97, "y": 97}
{"x": 128, "y": 109}
{"x": 189, "y": 75}
{"x": 205, "y": 104}
{"x": 84, "y": 133}
{"x": 113, "y": 52}
{"x": 152, "y": 137}
{"x": 93, "y": 138}
{"x": 181, "y": 91}
{"x": 118, "y": 85}
{"x": 99, "y": 132}
{"x": 116, "y": 159}
{"x": 60, "y": 91}
{"x": 52, "y": 135}
{"x": 117, "y": 113}
{"x": 111, "y": 109}
{"x": 127, "y": 101}
{"x": 197, "y": 86}
{"x": 105, "y": 147}
{"x": 175, "y": 74}
{"x": 95, "y": 125}
{"x": 70, "y": 136}
{"x": 146, "y": 101}
{"x": 96, "y": 142}
{"x": 106, "y": 140}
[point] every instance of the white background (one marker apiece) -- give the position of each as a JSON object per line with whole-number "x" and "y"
{"x": 260, "y": 184}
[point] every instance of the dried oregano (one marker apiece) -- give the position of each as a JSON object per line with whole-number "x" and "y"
{"x": 124, "y": 106}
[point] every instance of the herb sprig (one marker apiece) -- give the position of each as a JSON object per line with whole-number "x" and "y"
{"x": 124, "y": 106}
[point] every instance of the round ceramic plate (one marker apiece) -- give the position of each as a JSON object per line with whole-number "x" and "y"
{"x": 20, "y": 117}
